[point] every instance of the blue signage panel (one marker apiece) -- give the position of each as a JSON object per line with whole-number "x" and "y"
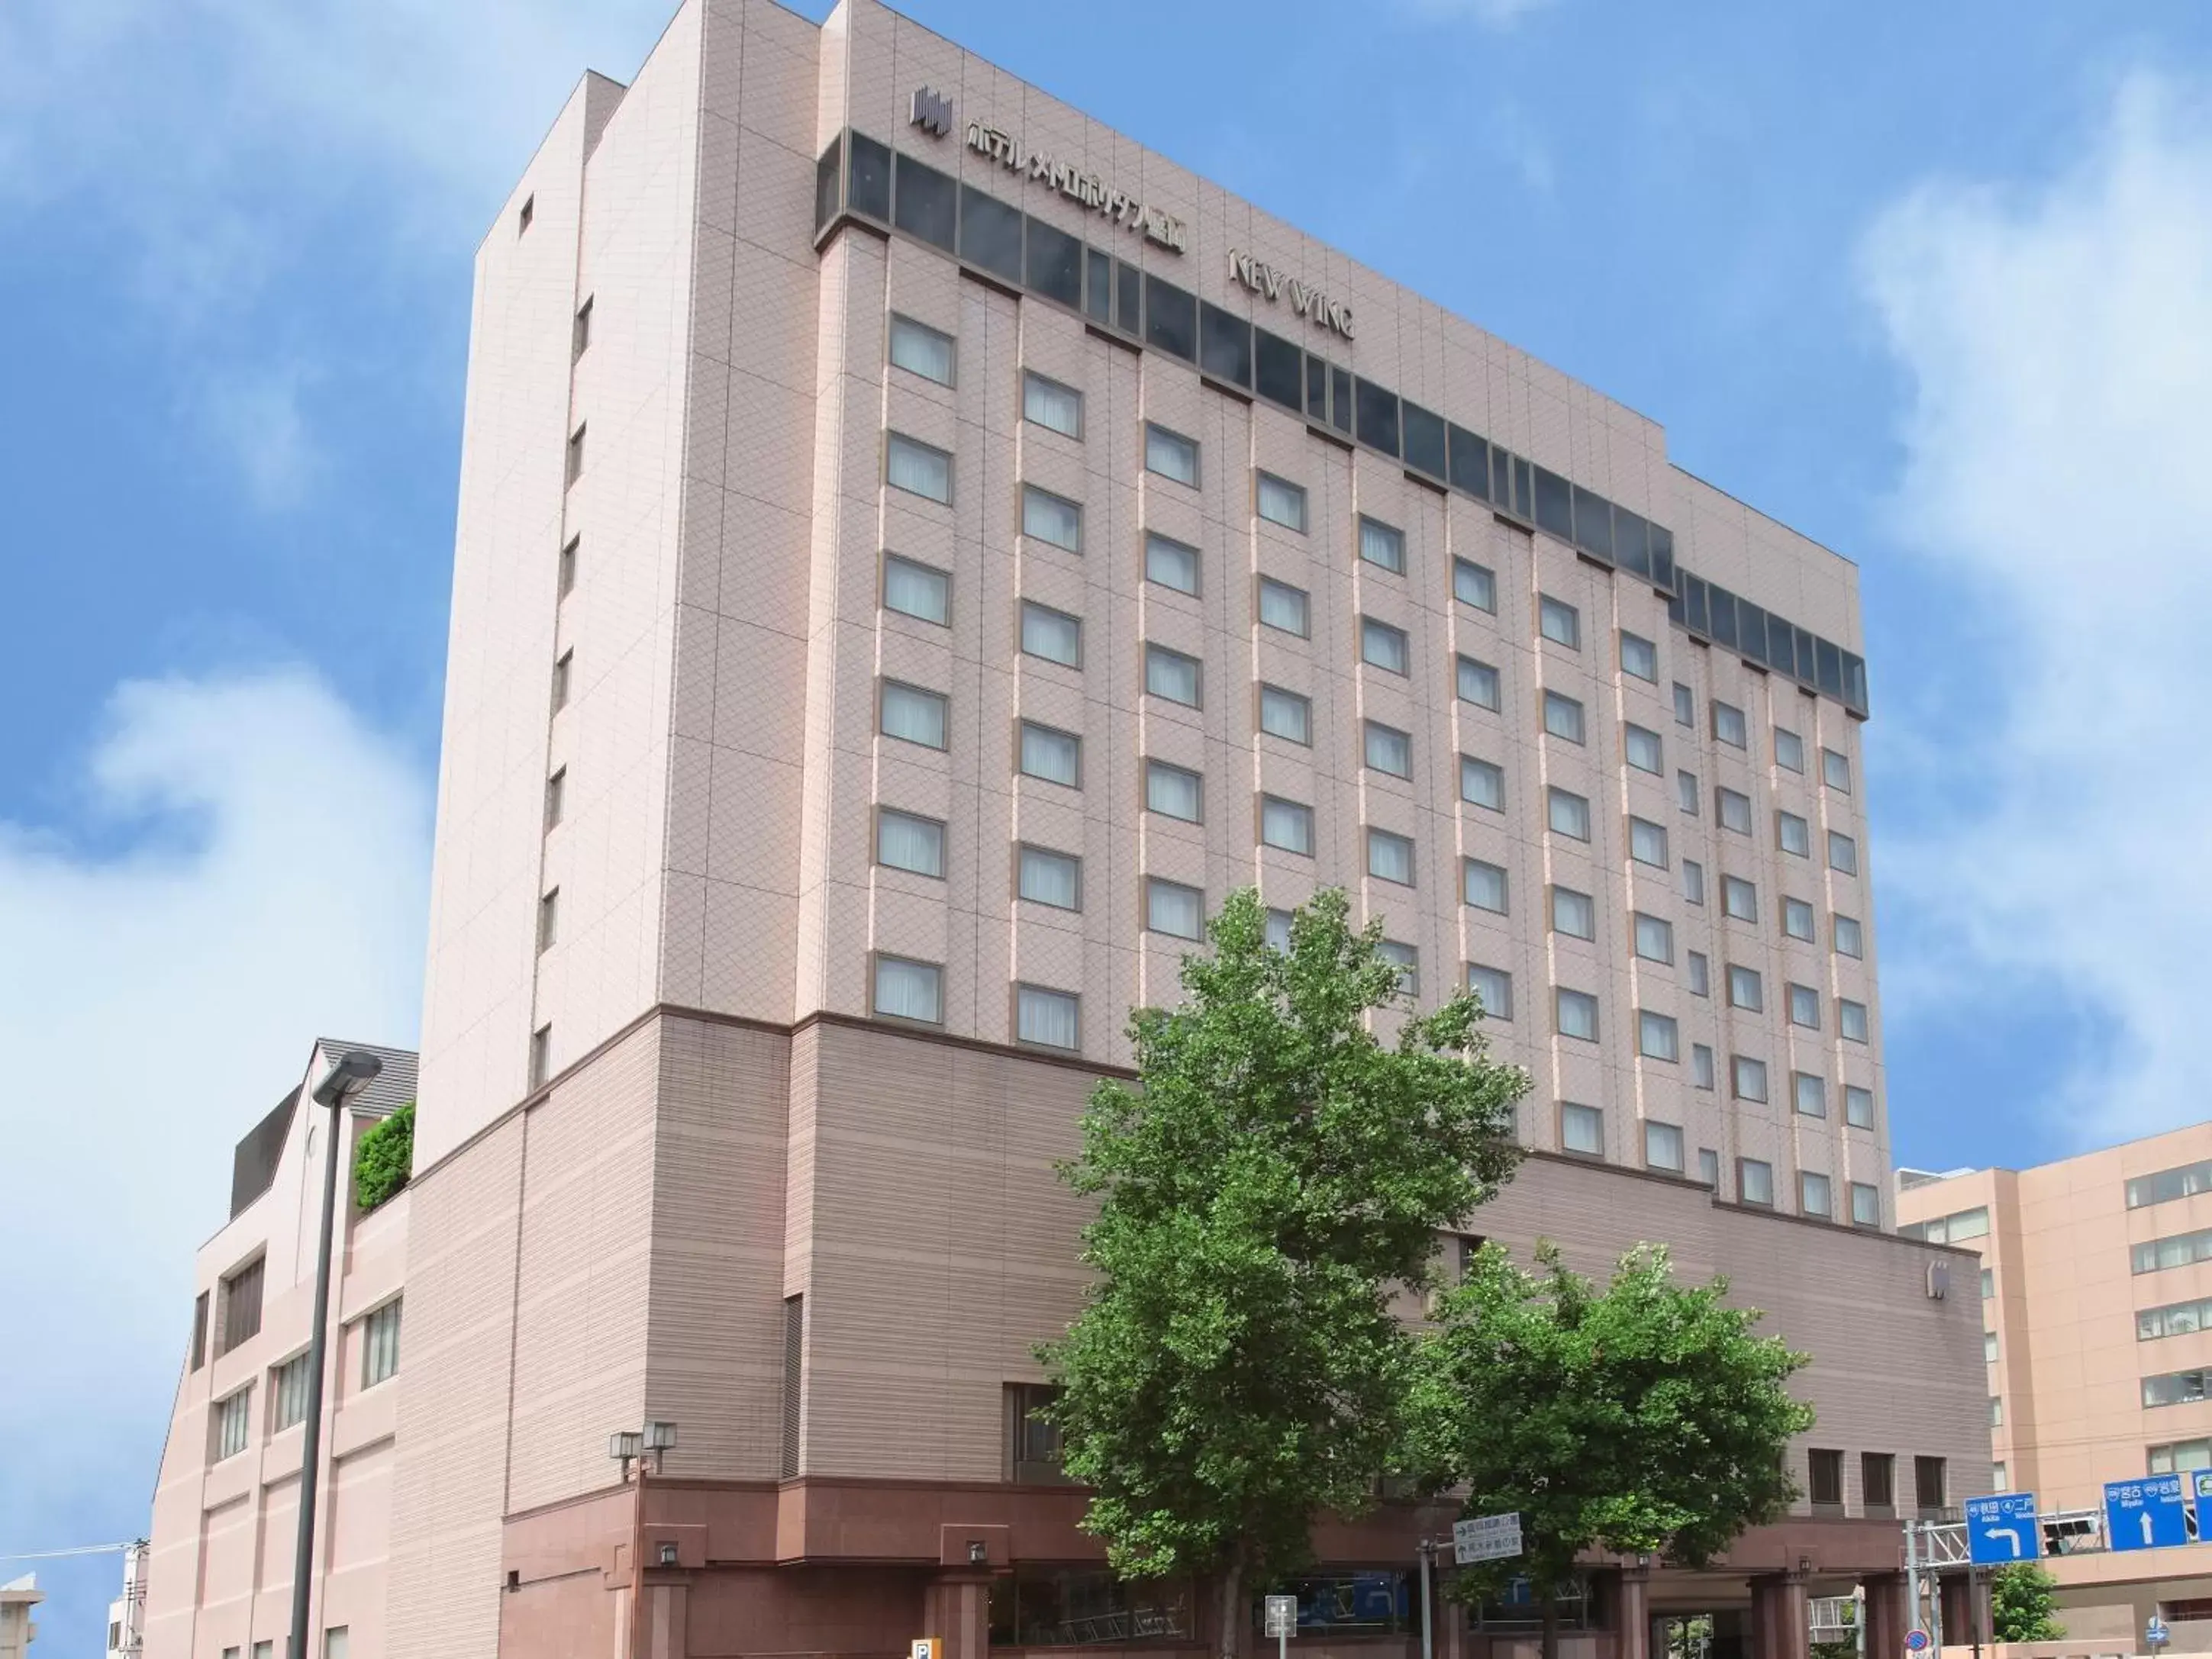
{"x": 2145, "y": 1513}
{"x": 2003, "y": 1529}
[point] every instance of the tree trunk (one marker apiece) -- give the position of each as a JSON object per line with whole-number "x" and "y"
{"x": 1551, "y": 1616}
{"x": 1231, "y": 1616}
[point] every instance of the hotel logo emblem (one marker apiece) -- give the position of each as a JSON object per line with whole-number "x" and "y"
{"x": 932, "y": 112}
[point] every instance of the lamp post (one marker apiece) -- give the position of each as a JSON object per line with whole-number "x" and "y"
{"x": 625, "y": 1447}
{"x": 354, "y": 1071}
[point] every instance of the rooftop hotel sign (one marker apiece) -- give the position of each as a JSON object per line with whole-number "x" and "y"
{"x": 1087, "y": 188}
{"x": 1309, "y": 303}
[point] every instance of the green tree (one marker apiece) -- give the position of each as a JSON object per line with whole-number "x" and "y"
{"x": 1645, "y": 1417}
{"x": 384, "y": 1158}
{"x": 2024, "y": 1604}
{"x": 1275, "y": 1171}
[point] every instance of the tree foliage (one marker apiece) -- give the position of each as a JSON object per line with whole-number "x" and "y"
{"x": 384, "y": 1158}
{"x": 2024, "y": 1604}
{"x": 1645, "y": 1417}
{"x": 1274, "y": 1172}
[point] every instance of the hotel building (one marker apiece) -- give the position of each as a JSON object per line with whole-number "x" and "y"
{"x": 918, "y": 550}
{"x": 2097, "y": 1297}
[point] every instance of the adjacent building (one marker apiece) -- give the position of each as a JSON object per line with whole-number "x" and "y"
{"x": 17, "y": 1628}
{"x": 2097, "y": 1297}
{"x": 218, "y": 1575}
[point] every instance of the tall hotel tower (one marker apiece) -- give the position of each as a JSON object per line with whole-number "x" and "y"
{"x": 918, "y": 550}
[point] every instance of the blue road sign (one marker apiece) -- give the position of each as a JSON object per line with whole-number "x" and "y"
{"x": 1916, "y": 1641}
{"x": 2145, "y": 1513}
{"x": 2003, "y": 1529}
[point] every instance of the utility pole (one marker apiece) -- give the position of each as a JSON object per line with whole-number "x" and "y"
{"x": 1912, "y": 1572}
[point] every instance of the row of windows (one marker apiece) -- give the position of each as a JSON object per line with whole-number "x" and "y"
{"x": 2166, "y": 1185}
{"x": 1581, "y": 1131}
{"x": 2176, "y": 1319}
{"x": 2175, "y": 1388}
{"x": 860, "y": 175}
{"x": 1824, "y": 1485}
{"x": 230, "y": 1421}
{"x": 2178, "y": 1250}
{"x": 1951, "y": 1229}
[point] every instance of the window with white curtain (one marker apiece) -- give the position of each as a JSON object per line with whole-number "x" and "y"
{"x": 1282, "y": 502}
{"x": 1754, "y": 1181}
{"x": 1728, "y": 725}
{"x": 1560, "y": 621}
{"x": 1475, "y": 584}
{"x": 1643, "y": 750}
{"x": 1282, "y": 606}
{"x": 1050, "y": 878}
{"x": 1700, "y": 972}
{"x": 1851, "y": 1020}
{"x": 1055, "y": 407}
{"x": 1567, "y": 814}
{"x": 1657, "y": 1037}
{"x": 1866, "y": 1212}
{"x": 1733, "y": 808}
{"x": 1053, "y": 757}
{"x": 1170, "y": 564}
{"x": 1389, "y": 857}
{"x": 1173, "y": 908}
{"x": 1858, "y": 1106}
{"x": 1686, "y": 705}
{"x": 1662, "y": 1145}
{"x": 1647, "y": 842}
{"x": 1382, "y": 544}
{"x": 288, "y": 1394}
{"x": 1639, "y": 658}
{"x": 1814, "y": 1194}
{"x": 1809, "y": 1094}
{"x": 1052, "y": 635}
{"x": 918, "y": 468}
{"x": 1494, "y": 987}
{"x": 906, "y": 989}
{"x": 1745, "y": 989}
{"x": 1573, "y": 914}
{"x": 1578, "y": 1014}
{"x": 1693, "y": 881}
{"x": 1053, "y": 518}
{"x": 1843, "y": 853}
{"x": 1797, "y": 918}
{"x": 1701, "y": 1065}
{"x": 918, "y": 590}
{"x": 379, "y": 1344}
{"x": 1171, "y": 675}
{"x": 1582, "y": 1129}
{"x": 907, "y": 841}
{"x": 1747, "y": 1076}
{"x": 920, "y": 349}
{"x": 1286, "y": 825}
{"x": 1384, "y": 647}
{"x": 1286, "y": 715}
{"x": 1849, "y": 943}
{"x": 1563, "y": 717}
{"x": 1478, "y": 683}
{"x": 1170, "y": 454}
{"x": 1655, "y": 938}
{"x": 1052, "y": 1020}
{"x": 1794, "y": 834}
{"x": 1836, "y": 770}
{"x": 1788, "y": 749}
{"x": 1739, "y": 898}
{"x": 1686, "y": 792}
{"x": 1173, "y": 791}
{"x": 914, "y": 716}
{"x": 1279, "y": 930}
{"x": 232, "y": 1421}
{"x": 1409, "y": 964}
{"x": 1387, "y": 749}
{"x": 1805, "y": 1008}
{"x": 1483, "y": 886}
{"x": 1481, "y": 783}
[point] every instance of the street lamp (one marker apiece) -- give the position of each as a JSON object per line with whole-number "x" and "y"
{"x": 628, "y": 1446}
{"x": 355, "y": 1070}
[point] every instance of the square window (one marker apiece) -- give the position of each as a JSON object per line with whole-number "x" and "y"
{"x": 1475, "y": 584}
{"x": 1051, "y": 405}
{"x": 920, "y": 349}
{"x": 1171, "y": 675}
{"x": 906, "y": 989}
{"x": 1573, "y": 914}
{"x": 1173, "y": 791}
{"x": 1053, "y": 757}
{"x": 1685, "y": 706}
{"x": 917, "y": 468}
{"x": 1568, "y": 814}
{"x": 1170, "y": 454}
{"x": 920, "y": 591}
{"x": 1050, "y": 878}
{"x": 1172, "y": 908}
{"x": 1851, "y": 1020}
{"x": 1655, "y": 938}
{"x": 1409, "y": 964}
{"x": 1641, "y": 747}
{"x": 1693, "y": 881}
{"x": 1051, "y": 518}
{"x": 1809, "y": 1094}
{"x": 1858, "y": 1107}
{"x": 1662, "y": 1145}
{"x": 1560, "y": 621}
{"x": 1812, "y": 1194}
{"x": 1563, "y": 717}
{"x": 1748, "y": 1078}
{"x": 1733, "y": 810}
{"x": 1701, "y": 974}
{"x": 1286, "y": 825}
{"x": 1381, "y": 545}
{"x": 1848, "y": 940}
{"x": 1797, "y": 918}
{"x": 1286, "y": 715}
{"x": 1745, "y": 989}
{"x": 1788, "y": 749}
{"x": 1836, "y": 770}
{"x": 1284, "y": 607}
{"x": 1739, "y": 898}
{"x": 1478, "y": 683}
{"x": 1481, "y": 783}
{"x": 1052, "y": 1020}
{"x": 1657, "y": 1037}
{"x": 1728, "y": 725}
{"x": 1170, "y": 564}
{"x": 1578, "y": 1014}
{"x": 1389, "y": 857}
{"x": 914, "y": 716}
{"x": 1701, "y": 1065}
{"x": 1843, "y": 853}
{"x": 1805, "y": 1008}
{"x": 1494, "y": 987}
{"x": 1686, "y": 792}
{"x": 1484, "y": 886}
{"x": 1052, "y": 635}
{"x": 1383, "y": 646}
{"x": 1866, "y": 1212}
{"x": 1582, "y": 1129}
{"x": 1794, "y": 834}
{"x": 1281, "y": 502}
{"x": 1279, "y": 930}
{"x": 1639, "y": 657}
{"x": 906, "y": 841}
{"x": 1754, "y": 1181}
{"x": 1647, "y": 842}
{"x": 1388, "y": 749}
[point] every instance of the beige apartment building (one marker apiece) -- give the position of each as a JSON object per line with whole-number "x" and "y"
{"x": 918, "y": 550}
{"x": 218, "y": 1575}
{"x": 2097, "y": 1296}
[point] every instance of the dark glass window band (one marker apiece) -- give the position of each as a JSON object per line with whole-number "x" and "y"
{"x": 861, "y": 176}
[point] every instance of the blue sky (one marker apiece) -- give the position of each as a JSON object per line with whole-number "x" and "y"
{"x": 1933, "y": 285}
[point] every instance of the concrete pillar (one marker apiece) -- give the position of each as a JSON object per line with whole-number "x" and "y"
{"x": 1778, "y": 1616}
{"x": 1965, "y": 1610}
{"x": 1888, "y": 1617}
{"x": 1629, "y": 1596}
{"x": 957, "y": 1608}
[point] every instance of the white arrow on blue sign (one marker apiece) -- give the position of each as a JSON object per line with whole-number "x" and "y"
{"x": 2003, "y": 1529}
{"x": 2146, "y": 1514}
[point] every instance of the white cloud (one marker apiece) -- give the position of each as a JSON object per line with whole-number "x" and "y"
{"x": 2059, "y": 340}
{"x": 154, "y": 1002}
